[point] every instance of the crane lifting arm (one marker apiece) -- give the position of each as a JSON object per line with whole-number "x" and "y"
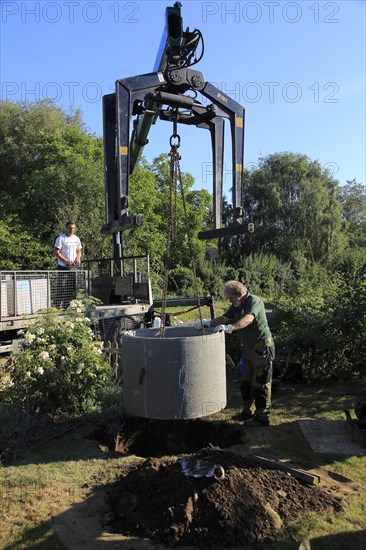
{"x": 161, "y": 94}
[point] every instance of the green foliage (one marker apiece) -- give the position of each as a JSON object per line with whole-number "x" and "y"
{"x": 265, "y": 275}
{"x": 67, "y": 183}
{"x": 147, "y": 239}
{"x": 182, "y": 283}
{"x": 61, "y": 368}
{"x": 52, "y": 171}
{"x": 354, "y": 212}
{"x": 312, "y": 278}
{"x": 150, "y": 196}
{"x": 296, "y": 208}
{"x": 325, "y": 334}
{"x": 24, "y": 129}
{"x": 349, "y": 264}
{"x": 21, "y": 250}
{"x": 213, "y": 275}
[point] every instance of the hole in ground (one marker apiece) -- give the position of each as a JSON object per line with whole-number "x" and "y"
{"x": 157, "y": 438}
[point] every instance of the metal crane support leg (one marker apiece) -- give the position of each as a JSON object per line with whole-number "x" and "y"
{"x": 157, "y": 89}
{"x": 236, "y": 114}
{"x": 216, "y": 127}
{"x": 118, "y": 109}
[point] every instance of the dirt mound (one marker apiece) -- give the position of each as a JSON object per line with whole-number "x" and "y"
{"x": 244, "y": 505}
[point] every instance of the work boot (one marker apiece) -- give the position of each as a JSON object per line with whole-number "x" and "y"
{"x": 243, "y": 415}
{"x": 256, "y": 422}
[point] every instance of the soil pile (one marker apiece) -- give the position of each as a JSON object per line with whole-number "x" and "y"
{"x": 238, "y": 505}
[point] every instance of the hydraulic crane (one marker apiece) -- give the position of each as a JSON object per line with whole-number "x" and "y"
{"x": 172, "y": 92}
{"x": 169, "y": 93}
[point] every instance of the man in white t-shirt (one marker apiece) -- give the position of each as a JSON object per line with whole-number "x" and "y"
{"x": 67, "y": 250}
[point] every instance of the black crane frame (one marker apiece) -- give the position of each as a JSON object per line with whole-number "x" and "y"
{"x": 161, "y": 94}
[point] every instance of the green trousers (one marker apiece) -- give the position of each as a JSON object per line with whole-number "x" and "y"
{"x": 256, "y": 381}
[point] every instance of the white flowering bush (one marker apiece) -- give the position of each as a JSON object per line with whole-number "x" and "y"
{"x": 61, "y": 367}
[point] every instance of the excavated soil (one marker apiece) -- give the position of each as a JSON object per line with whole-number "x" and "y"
{"x": 242, "y": 505}
{"x": 156, "y": 438}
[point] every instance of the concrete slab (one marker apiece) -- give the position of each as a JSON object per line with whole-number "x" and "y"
{"x": 330, "y": 437}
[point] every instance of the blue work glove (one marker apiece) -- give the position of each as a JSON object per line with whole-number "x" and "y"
{"x": 224, "y": 328}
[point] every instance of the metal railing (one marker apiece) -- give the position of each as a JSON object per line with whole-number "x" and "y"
{"x": 138, "y": 266}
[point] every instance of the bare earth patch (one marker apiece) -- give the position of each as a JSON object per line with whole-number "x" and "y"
{"x": 247, "y": 505}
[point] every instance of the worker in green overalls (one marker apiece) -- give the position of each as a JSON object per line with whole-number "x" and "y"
{"x": 247, "y": 315}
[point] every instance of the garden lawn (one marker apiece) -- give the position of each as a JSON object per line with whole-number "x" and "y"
{"x": 42, "y": 480}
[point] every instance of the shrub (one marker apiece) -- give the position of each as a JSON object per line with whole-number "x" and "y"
{"x": 60, "y": 368}
{"x": 182, "y": 283}
{"x": 214, "y": 274}
{"x": 297, "y": 325}
{"x": 327, "y": 336}
{"x": 312, "y": 279}
{"x": 265, "y": 275}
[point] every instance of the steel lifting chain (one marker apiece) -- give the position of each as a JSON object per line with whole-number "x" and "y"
{"x": 190, "y": 245}
{"x": 172, "y": 220}
{"x": 171, "y": 236}
{"x": 175, "y": 176}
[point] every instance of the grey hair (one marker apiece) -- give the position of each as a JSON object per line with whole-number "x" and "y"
{"x": 235, "y": 287}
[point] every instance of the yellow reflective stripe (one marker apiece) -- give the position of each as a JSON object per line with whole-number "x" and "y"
{"x": 123, "y": 150}
{"x": 239, "y": 122}
{"x": 239, "y": 167}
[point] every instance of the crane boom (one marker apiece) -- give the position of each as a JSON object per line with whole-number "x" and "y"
{"x": 157, "y": 95}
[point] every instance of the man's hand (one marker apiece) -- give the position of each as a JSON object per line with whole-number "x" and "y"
{"x": 201, "y": 326}
{"x": 224, "y": 328}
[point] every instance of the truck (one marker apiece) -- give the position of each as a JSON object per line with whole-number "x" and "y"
{"x": 169, "y": 93}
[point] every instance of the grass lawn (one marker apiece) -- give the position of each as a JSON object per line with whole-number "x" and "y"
{"x": 40, "y": 482}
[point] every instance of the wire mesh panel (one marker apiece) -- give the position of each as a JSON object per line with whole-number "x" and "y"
{"x": 3, "y": 299}
{"x": 28, "y": 292}
{"x": 65, "y": 288}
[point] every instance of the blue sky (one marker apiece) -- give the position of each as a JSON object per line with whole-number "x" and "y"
{"x": 297, "y": 67}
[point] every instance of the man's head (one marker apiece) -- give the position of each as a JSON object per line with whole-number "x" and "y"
{"x": 234, "y": 290}
{"x": 70, "y": 227}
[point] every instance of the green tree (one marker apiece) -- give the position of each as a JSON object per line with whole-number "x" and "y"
{"x": 146, "y": 200}
{"x": 68, "y": 183}
{"x": 325, "y": 331}
{"x": 189, "y": 221}
{"x": 265, "y": 275}
{"x": 353, "y": 199}
{"x": 149, "y": 190}
{"x": 52, "y": 171}
{"x": 296, "y": 207}
{"x": 23, "y": 128}
{"x": 21, "y": 250}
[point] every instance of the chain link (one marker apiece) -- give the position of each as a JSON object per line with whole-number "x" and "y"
{"x": 190, "y": 245}
{"x": 171, "y": 237}
{"x": 176, "y": 176}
